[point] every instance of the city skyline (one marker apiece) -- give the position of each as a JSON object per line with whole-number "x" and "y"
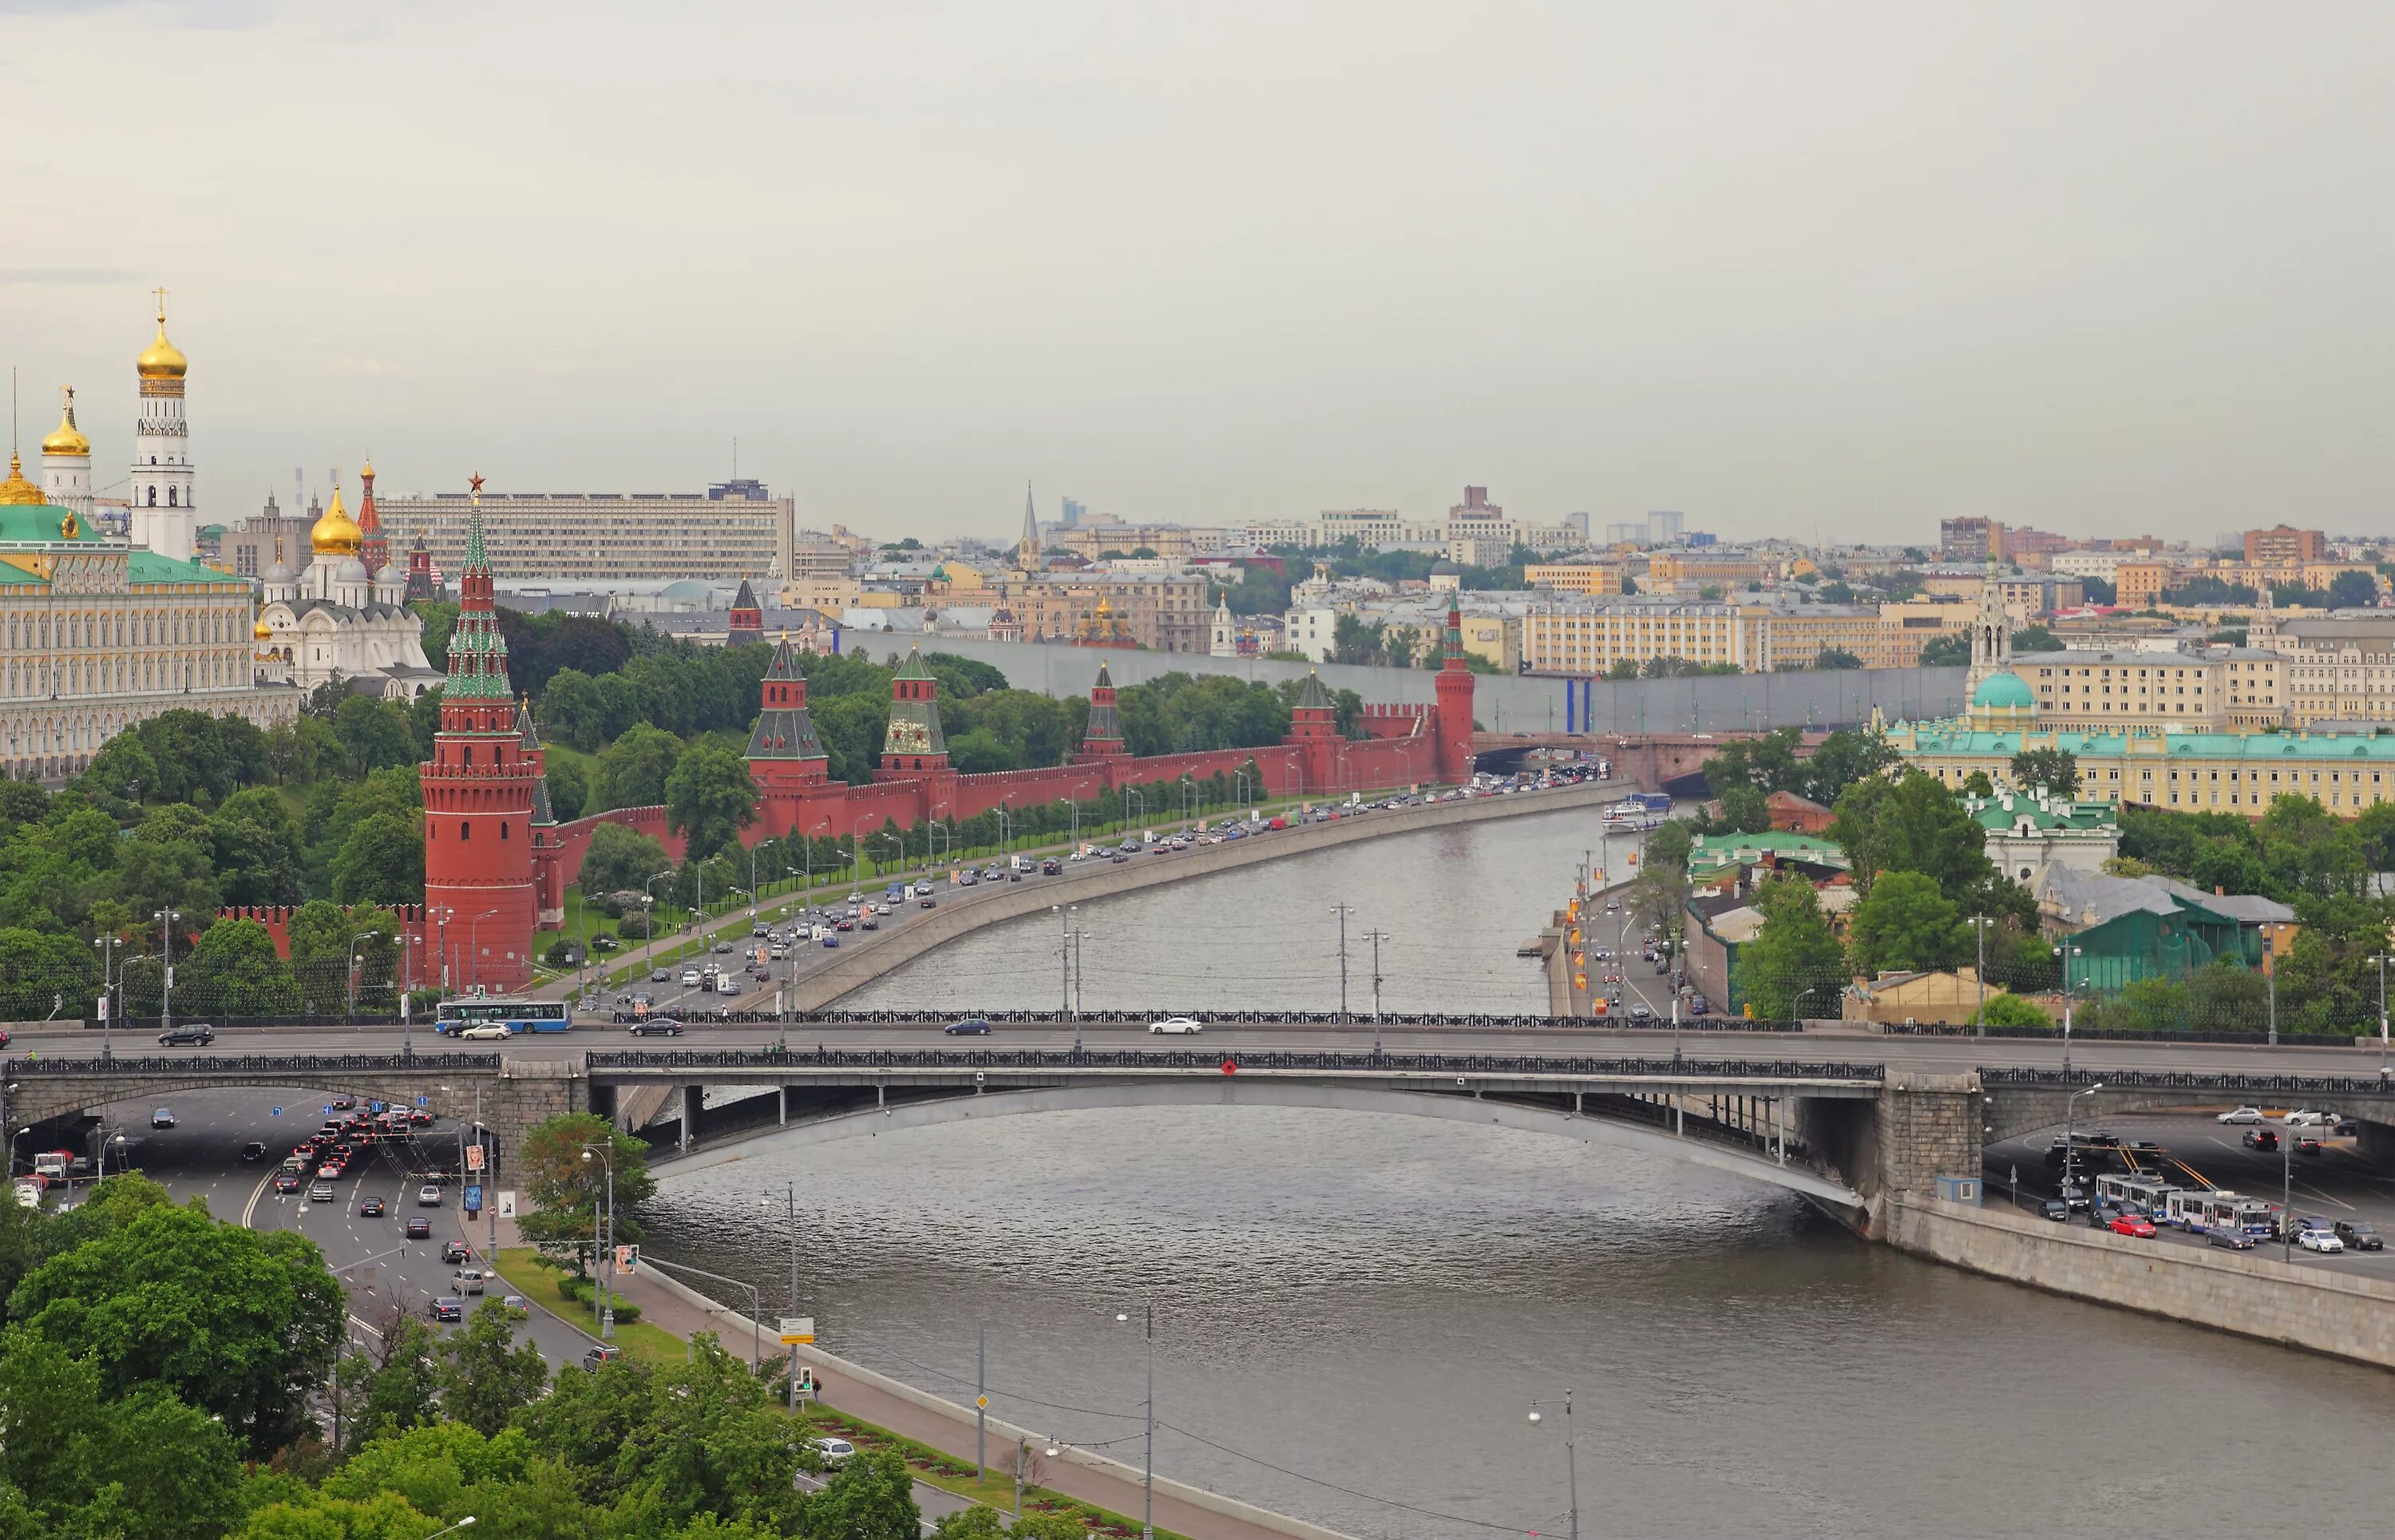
{"x": 1781, "y": 275}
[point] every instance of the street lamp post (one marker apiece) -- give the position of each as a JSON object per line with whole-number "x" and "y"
{"x": 357, "y": 946}
{"x": 107, "y": 992}
{"x": 2066, "y": 953}
{"x": 474, "y": 946}
{"x": 2070, "y": 1135}
{"x": 1572, "y": 1456}
{"x": 1979, "y": 924}
{"x": 792, "y": 1225}
{"x": 444, "y": 914}
{"x": 603, "y": 1236}
{"x": 2380, "y": 958}
{"x": 1147, "y": 1517}
{"x": 1342, "y": 911}
{"x": 1376, "y": 937}
{"x": 166, "y": 918}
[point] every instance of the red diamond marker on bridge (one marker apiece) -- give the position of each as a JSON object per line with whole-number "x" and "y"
{"x": 1230, "y": 1067}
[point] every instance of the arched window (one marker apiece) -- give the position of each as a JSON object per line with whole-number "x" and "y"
{"x": 465, "y": 829}
{"x": 153, "y": 492}
{"x": 170, "y": 496}
{"x": 503, "y": 831}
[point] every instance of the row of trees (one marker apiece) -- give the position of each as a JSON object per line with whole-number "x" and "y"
{"x": 168, "y": 1376}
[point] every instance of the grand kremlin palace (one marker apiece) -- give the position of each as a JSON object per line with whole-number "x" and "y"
{"x": 2158, "y": 766}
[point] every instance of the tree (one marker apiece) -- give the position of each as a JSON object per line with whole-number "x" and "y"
{"x": 1904, "y": 924}
{"x": 1836, "y": 657}
{"x": 1792, "y": 968}
{"x": 2053, "y": 771}
{"x": 236, "y": 1323}
{"x": 1950, "y": 651}
{"x": 258, "y": 853}
{"x": 619, "y": 859}
{"x": 2006, "y": 1009}
{"x": 488, "y": 1374}
{"x": 381, "y": 861}
{"x": 139, "y": 1463}
{"x": 2036, "y": 639}
{"x": 569, "y": 788}
{"x": 972, "y": 1524}
{"x": 870, "y": 1497}
{"x": 373, "y": 732}
{"x": 572, "y": 708}
{"x": 1977, "y": 784}
{"x": 566, "y": 1186}
{"x": 2352, "y": 591}
{"x": 709, "y": 798}
{"x": 1667, "y": 846}
{"x": 632, "y": 770}
{"x": 1910, "y": 823}
{"x": 235, "y": 969}
{"x": 1744, "y": 811}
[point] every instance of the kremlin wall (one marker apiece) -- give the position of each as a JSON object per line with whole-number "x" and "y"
{"x": 496, "y": 862}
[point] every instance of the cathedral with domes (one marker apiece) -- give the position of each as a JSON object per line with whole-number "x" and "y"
{"x": 344, "y": 615}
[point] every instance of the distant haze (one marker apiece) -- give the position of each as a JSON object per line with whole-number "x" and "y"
{"x": 2113, "y": 268}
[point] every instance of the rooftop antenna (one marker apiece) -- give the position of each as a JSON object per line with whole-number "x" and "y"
{"x": 735, "y": 456}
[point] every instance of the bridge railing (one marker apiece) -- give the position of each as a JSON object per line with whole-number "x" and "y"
{"x": 2191, "y": 1080}
{"x": 833, "y": 1017}
{"x": 2115, "y": 1034}
{"x": 249, "y": 1064}
{"x": 1066, "y": 1059}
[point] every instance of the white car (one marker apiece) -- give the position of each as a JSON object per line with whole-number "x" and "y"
{"x": 2304, "y": 1118}
{"x": 484, "y": 1031}
{"x": 2320, "y": 1240}
{"x": 1177, "y": 1024}
{"x": 834, "y": 1451}
{"x": 427, "y": 1196}
{"x": 2243, "y": 1115}
{"x": 690, "y": 977}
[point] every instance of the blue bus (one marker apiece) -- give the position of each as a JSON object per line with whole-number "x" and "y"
{"x": 516, "y": 1015}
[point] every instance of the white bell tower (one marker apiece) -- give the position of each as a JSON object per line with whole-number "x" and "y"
{"x": 164, "y": 517}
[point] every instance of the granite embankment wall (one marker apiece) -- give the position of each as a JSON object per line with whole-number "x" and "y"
{"x": 892, "y": 949}
{"x": 2246, "y": 1293}
{"x": 735, "y": 1325}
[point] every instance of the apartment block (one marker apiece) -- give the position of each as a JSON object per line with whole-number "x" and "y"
{"x": 2284, "y": 545}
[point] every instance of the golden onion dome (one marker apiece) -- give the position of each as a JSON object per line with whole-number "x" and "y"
{"x": 161, "y": 359}
{"x": 17, "y": 492}
{"x": 67, "y": 439}
{"x": 262, "y": 631}
{"x": 335, "y": 534}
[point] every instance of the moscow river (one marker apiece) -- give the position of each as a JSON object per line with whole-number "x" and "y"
{"x": 1354, "y": 1311}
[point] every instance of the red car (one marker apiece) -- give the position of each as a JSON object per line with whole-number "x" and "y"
{"x": 2130, "y": 1224}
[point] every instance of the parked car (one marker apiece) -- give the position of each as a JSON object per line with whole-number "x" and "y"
{"x": 1175, "y": 1025}
{"x": 420, "y": 1227}
{"x": 2132, "y": 1224}
{"x": 970, "y": 1027}
{"x": 2243, "y": 1115}
{"x": 2228, "y": 1238}
{"x": 2358, "y": 1236}
{"x": 190, "y": 1034}
{"x": 2320, "y": 1240}
{"x": 2261, "y": 1138}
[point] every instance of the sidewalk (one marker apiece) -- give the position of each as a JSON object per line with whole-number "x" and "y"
{"x": 843, "y": 1393}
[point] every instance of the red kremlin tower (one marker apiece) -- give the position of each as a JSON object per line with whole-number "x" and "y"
{"x": 1453, "y": 689}
{"x": 480, "y": 790}
{"x": 1103, "y": 738}
{"x": 748, "y": 622}
{"x": 375, "y": 550}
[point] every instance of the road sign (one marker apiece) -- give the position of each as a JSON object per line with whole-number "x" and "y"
{"x": 474, "y": 1197}
{"x": 797, "y": 1328}
{"x": 806, "y": 1379}
{"x": 423, "y": 1101}
{"x": 507, "y": 1205}
{"x": 474, "y": 1157}
{"x": 104, "y": 1007}
{"x": 982, "y": 1402}
{"x": 278, "y": 1111}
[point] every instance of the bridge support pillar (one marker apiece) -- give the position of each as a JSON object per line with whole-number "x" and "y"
{"x": 1917, "y": 1129}
{"x": 694, "y": 1099}
{"x": 782, "y": 1110}
{"x": 528, "y": 1092}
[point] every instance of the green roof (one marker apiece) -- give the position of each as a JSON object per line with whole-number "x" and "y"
{"x": 26, "y": 524}
{"x": 2006, "y": 809}
{"x": 1712, "y": 852}
{"x": 1313, "y": 698}
{"x": 914, "y": 668}
{"x": 148, "y": 567}
{"x": 1941, "y": 740}
{"x": 2006, "y": 690}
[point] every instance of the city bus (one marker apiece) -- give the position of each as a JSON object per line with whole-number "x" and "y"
{"x": 517, "y": 1015}
{"x": 2151, "y": 1194}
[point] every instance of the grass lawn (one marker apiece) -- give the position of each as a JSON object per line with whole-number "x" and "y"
{"x": 539, "y": 1284}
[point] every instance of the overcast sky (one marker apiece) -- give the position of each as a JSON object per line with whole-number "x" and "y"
{"x": 2112, "y": 267}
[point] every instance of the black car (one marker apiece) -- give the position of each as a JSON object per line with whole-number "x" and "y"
{"x": 2056, "y": 1210}
{"x": 191, "y": 1034}
{"x": 454, "y": 1251}
{"x": 2359, "y": 1236}
{"x": 599, "y": 1353}
{"x": 446, "y": 1308}
{"x": 724, "y": 949}
{"x": 419, "y": 1228}
{"x": 971, "y": 1027}
{"x": 655, "y": 1027}
{"x": 254, "y": 1151}
{"x": 2261, "y": 1138}
{"x": 288, "y": 1182}
{"x": 370, "y": 1208}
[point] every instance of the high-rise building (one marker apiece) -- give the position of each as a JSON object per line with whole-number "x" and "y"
{"x": 1970, "y": 540}
{"x": 2285, "y": 546}
{"x": 732, "y": 530}
{"x": 1075, "y": 512}
{"x": 165, "y": 516}
{"x": 1662, "y": 528}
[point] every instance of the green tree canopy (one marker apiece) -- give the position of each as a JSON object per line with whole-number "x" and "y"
{"x": 620, "y": 860}
{"x": 2053, "y": 771}
{"x": 1794, "y": 967}
{"x": 632, "y": 770}
{"x": 1904, "y": 924}
{"x": 709, "y": 798}
{"x": 566, "y": 1186}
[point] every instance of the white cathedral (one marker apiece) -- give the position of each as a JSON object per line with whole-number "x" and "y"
{"x": 339, "y": 617}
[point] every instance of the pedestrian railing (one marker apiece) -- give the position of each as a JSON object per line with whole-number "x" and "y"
{"x": 1067, "y": 1060}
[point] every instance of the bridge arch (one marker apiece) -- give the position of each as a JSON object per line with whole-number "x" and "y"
{"x": 1276, "y": 1091}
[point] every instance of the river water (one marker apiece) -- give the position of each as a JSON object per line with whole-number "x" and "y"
{"x": 1354, "y": 1311}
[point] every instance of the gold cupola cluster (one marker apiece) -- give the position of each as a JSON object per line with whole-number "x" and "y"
{"x": 67, "y": 439}
{"x": 161, "y": 359}
{"x": 335, "y": 534}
